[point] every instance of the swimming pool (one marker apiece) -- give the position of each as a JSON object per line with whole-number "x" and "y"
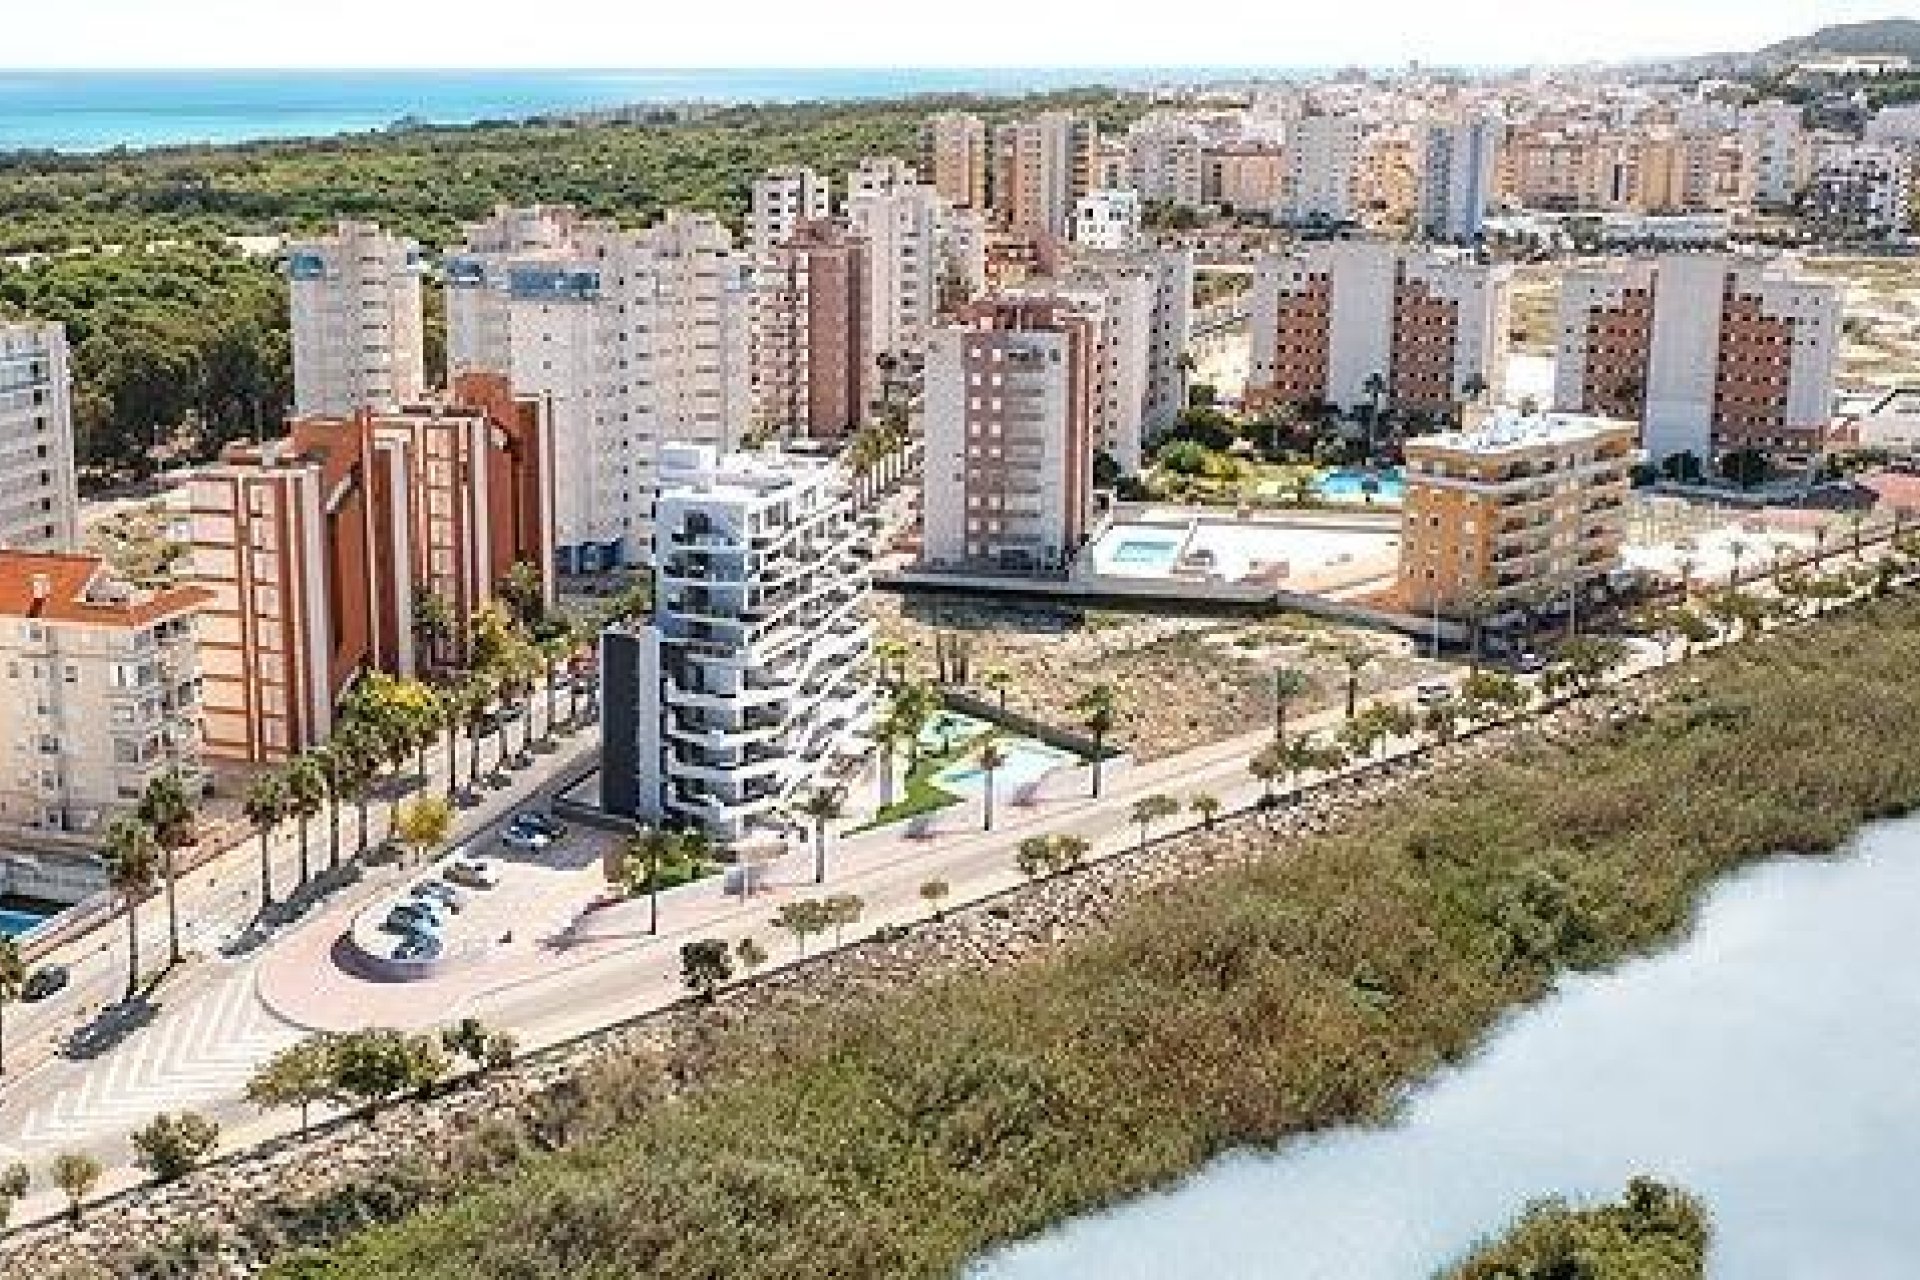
{"x": 1025, "y": 762}
{"x": 946, "y": 730}
{"x": 1357, "y": 486}
{"x": 15, "y": 923}
{"x": 1138, "y": 551}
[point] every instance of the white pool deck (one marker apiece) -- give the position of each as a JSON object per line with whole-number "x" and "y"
{"x": 1299, "y": 557}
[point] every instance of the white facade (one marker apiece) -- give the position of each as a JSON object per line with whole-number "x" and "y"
{"x": 1166, "y": 160}
{"x": 1108, "y": 221}
{"x": 637, "y": 340}
{"x": 358, "y": 335}
{"x": 1459, "y": 161}
{"x": 782, "y": 200}
{"x": 881, "y": 176}
{"x": 1323, "y": 169}
{"x": 39, "y": 493}
{"x": 1895, "y": 125}
{"x": 749, "y": 686}
{"x": 918, "y": 243}
{"x": 1773, "y": 153}
{"x": 1864, "y": 188}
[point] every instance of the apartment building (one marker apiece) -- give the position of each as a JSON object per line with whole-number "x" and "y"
{"x": 1520, "y": 509}
{"x": 635, "y": 339}
{"x": 1775, "y": 153}
{"x": 813, "y": 354}
{"x": 923, "y": 254}
{"x": 782, "y": 199}
{"x": 1166, "y": 161}
{"x": 1323, "y": 170}
{"x": 1710, "y": 353}
{"x": 102, "y": 684}
{"x": 881, "y": 176}
{"x": 1107, "y": 221}
{"x": 749, "y": 686}
{"x": 358, "y": 334}
{"x": 1458, "y": 175}
{"x": 1861, "y": 189}
{"x": 1041, "y": 167}
{"x": 1010, "y": 420}
{"x": 1352, "y": 323}
{"x": 39, "y": 486}
{"x": 1148, "y": 293}
{"x": 311, "y": 550}
{"x": 1248, "y": 176}
{"x": 954, "y": 150}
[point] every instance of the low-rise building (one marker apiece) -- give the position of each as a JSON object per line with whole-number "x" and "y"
{"x": 101, "y": 681}
{"x": 1516, "y": 510}
{"x": 749, "y": 684}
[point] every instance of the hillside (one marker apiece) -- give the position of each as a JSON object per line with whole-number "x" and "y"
{"x": 1891, "y": 35}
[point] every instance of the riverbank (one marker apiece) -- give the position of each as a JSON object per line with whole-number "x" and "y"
{"x": 900, "y": 1118}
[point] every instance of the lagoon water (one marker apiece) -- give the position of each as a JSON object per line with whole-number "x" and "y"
{"x": 99, "y": 110}
{"x": 1770, "y": 1064}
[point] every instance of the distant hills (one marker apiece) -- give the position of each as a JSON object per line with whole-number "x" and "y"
{"x": 1891, "y": 35}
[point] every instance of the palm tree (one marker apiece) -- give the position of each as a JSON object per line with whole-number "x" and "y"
{"x": 1098, "y": 710}
{"x": 999, "y": 681}
{"x": 886, "y": 741}
{"x": 1356, "y": 660}
{"x": 167, "y": 811}
{"x": 1737, "y": 551}
{"x": 643, "y": 856}
{"x": 306, "y": 796}
{"x": 1289, "y": 683}
{"x": 13, "y": 983}
{"x": 265, "y": 805}
{"x": 822, "y": 806}
{"x": 133, "y": 868}
{"x": 1148, "y": 810}
{"x": 1207, "y": 806}
{"x": 991, "y": 757}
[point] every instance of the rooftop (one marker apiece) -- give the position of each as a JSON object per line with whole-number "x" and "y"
{"x": 81, "y": 589}
{"x": 1507, "y": 431}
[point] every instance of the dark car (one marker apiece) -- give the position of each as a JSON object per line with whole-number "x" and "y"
{"x": 45, "y": 981}
{"x": 545, "y": 823}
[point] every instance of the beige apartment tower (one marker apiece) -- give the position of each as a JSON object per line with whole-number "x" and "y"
{"x": 358, "y": 333}
{"x": 954, "y": 147}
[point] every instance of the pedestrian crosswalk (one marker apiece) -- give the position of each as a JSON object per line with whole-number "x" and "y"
{"x": 196, "y": 1056}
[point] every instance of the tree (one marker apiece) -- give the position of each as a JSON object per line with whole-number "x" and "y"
{"x": 1289, "y": 684}
{"x": 306, "y": 796}
{"x": 1070, "y": 851}
{"x": 433, "y": 626}
{"x": 1267, "y": 767}
{"x": 265, "y": 805}
{"x": 13, "y": 983}
{"x": 1034, "y": 856}
{"x": 15, "y": 1179}
{"x": 750, "y": 954}
{"x": 76, "y": 1174}
{"x": 372, "y": 1067}
{"x": 644, "y": 858}
{"x": 841, "y": 910}
{"x": 822, "y": 806}
{"x": 1148, "y": 810}
{"x": 473, "y": 1040}
{"x": 933, "y": 893}
{"x": 886, "y": 742}
{"x": 991, "y": 757}
{"x": 133, "y": 869}
{"x": 1487, "y": 694}
{"x": 802, "y": 919}
{"x": 999, "y": 681}
{"x": 1356, "y": 659}
{"x": 1442, "y": 720}
{"x": 1098, "y": 710}
{"x": 1589, "y": 660}
{"x": 423, "y": 825}
{"x": 524, "y": 594}
{"x": 1207, "y": 806}
{"x": 704, "y": 966}
{"x": 167, "y": 810}
{"x": 298, "y": 1076}
{"x": 172, "y": 1146}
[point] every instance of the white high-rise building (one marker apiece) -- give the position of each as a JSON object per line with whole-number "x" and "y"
{"x": 39, "y": 492}
{"x": 1774, "y": 153}
{"x": 1459, "y": 161}
{"x": 919, "y": 248}
{"x": 358, "y": 334}
{"x": 1145, "y": 299}
{"x": 1107, "y": 221}
{"x": 1862, "y": 188}
{"x": 1166, "y": 161}
{"x": 782, "y": 200}
{"x": 636, "y": 339}
{"x": 881, "y": 176}
{"x": 749, "y": 685}
{"x": 1323, "y": 169}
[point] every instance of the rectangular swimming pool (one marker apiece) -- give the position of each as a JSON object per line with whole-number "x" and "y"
{"x": 14, "y": 923}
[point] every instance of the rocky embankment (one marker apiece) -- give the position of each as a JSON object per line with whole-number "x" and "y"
{"x": 229, "y": 1219}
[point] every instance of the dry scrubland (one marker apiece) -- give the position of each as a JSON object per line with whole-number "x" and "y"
{"x": 1881, "y": 344}
{"x": 897, "y": 1134}
{"x": 1181, "y": 682}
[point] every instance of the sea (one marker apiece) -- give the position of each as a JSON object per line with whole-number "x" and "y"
{"x": 90, "y": 111}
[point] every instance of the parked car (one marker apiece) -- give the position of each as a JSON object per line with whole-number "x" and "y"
{"x": 1431, "y": 693}
{"x": 415, "y": 915}
{"x": 543, "y": 823}
{"x": 44, "y": 982}
{"x": 437, "y": 891}
{"x": 474, "y": 873}
{"x": 419, "y": 946}
{"x": 1529, "y": 663}
{"x": 531, "y": 832}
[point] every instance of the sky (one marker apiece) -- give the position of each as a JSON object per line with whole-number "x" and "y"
{"x": 631, "y": 34}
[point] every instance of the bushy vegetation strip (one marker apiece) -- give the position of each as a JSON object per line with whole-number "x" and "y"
{"x": 900, "y": 1134}
{"x": 1654, "y": 1232}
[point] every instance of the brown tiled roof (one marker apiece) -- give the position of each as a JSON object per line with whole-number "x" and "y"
{"x": 68, "y": 577}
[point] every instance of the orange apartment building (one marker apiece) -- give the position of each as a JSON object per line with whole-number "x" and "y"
{"x": 313, "y": 549}
{"x": 1517, "y": 509}
{"x": 814, "y": 368}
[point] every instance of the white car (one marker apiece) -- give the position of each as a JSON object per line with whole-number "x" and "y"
{"x": 474, "y": 873}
